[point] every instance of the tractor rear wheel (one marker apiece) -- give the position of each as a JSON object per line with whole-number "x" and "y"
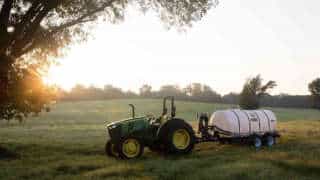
{"x": 111, "y": 149}
{"x": 178, "y": 137}
{"x": 130, "y": 148}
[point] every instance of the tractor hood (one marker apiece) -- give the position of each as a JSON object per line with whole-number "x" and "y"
{"x": 119, "y": 129}
{"x": 124, "y": 121}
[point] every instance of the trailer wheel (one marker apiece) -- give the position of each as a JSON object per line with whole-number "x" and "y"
{"x": 178, "y": 137}
{"x": 257, "y": 142}
{"x": 111, "y": 149}
{"x": 270, "y": 140}
{"x": 130, "y": 148}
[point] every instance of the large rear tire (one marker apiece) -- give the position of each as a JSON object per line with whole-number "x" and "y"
{"x": 177, "y": 137}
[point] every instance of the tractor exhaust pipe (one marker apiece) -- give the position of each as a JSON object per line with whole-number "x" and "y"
{"x": 132, "y": 110}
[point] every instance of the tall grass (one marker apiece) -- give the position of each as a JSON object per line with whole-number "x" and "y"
{"x": 68, "y": 143}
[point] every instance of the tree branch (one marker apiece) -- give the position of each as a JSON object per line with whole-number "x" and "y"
{"x": 36, "y": 5}
{"x": 82, "y": 19}
{"x": 4, "y": 20}
{"x": 5, "y": 13}
{"x": 33, "y": 27}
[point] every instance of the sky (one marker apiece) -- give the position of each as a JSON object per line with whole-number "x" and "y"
{"x": 239, "y": 39}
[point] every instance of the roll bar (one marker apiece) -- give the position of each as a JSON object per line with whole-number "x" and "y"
{"x": 173, "y": 107}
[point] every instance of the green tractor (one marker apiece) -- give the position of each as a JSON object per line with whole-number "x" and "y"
{"x": 128, "y": 138}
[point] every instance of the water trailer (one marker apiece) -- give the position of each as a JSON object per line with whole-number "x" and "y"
{"x": 171, "y": 135}
{"x": 252, "y": 126}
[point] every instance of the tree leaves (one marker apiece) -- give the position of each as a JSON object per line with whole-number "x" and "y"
{"x": 314, "y": 88}
{"x": 40, "y": 30}
{"x": 252, "y": 91}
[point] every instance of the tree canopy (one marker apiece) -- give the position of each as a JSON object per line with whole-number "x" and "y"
{"x": 207, "y": 94}
{"x": 35, "y": 32}
{"x": 252, "y": 92}
{"x": 314, "y": 88}
{"x": 145, "y": 90}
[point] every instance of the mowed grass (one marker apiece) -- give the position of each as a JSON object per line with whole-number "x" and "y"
{"x": 68, "y": 143}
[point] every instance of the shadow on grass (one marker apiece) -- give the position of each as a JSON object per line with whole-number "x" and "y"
{"x": 132, "y": 173}
{"x": 86, "y": 152}
{"x": 6, "y": 154}
{"x": 76, "y": 169}
{"x": 300, "y": 168}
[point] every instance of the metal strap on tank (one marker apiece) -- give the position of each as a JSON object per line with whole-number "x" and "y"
{"x": 267, "y": 118}
{"x": 237, "y": 119}
{"x": 258, "y": 119}
{"x": 248, "y": 120}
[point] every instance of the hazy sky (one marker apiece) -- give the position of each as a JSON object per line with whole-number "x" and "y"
{"x": 278, "y": 39}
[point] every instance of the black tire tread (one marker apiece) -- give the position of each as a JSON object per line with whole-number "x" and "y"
{"x": 108, "y": 149}
{"x": 119, "y": 148}
{"x": 166, "y": 133}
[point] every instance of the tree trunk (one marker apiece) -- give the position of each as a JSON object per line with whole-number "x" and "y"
{"x": 5, "y": 64}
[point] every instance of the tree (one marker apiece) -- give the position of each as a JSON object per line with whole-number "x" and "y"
{"x": 111, "y": 92}
{"x": 193, "y": 89}
{"x": 145, "y": 90}
{"x": 231, "y": 98}
{"x": 209, "y": 95}
{"x": 252, "y": 92}
{"x": 26, "y": 93}
{"x": 201, "y": 92}
{"x": 196, "y": 89}
{"x": 314, "y": 88}
{"x": 35, "y": 32}
{"x": 170, "y": 90}
{"x": 130, "y": 94}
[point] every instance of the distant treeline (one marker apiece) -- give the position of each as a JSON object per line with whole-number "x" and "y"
{"x": 193, "y": 92}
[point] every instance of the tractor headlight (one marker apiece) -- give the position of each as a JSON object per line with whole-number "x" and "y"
{"x": 112, "y": 126}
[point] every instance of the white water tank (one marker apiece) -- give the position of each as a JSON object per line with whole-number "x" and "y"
{"x": 236, "y": 122}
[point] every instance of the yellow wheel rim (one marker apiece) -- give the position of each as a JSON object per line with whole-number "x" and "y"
{"x": 131, "y": 148}
{"x": 181, "y": 139}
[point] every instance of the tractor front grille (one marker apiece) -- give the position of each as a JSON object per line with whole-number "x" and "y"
{"x": 115, "y": 133}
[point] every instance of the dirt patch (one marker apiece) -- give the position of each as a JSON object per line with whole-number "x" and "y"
{"x": 6, "y": 154}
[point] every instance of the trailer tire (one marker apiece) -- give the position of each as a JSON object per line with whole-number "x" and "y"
{"x": 269, "y": 140}
{"x": 177, "y": 136}
{"x": 257, "y": 142}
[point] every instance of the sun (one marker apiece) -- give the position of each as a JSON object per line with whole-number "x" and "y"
{"x": 71, "y": 70}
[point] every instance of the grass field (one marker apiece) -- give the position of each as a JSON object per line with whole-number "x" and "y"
{"x": 68, "y": 143}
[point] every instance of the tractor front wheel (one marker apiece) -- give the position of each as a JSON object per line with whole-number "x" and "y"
{"x": 130, "y": 148}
